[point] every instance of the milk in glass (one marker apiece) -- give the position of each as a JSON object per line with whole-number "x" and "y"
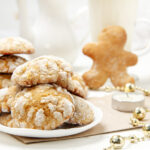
{"x": 104, "y": 13}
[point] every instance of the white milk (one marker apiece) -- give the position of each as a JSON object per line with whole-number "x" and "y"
{"x": 113, "y": 12}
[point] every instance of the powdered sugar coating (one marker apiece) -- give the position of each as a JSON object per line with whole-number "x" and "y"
{"x": 30, "y": 113}
{"x": 5, "y": 119}
{"x": 7, "y": 95}
{"x": 49, "y": 69}
{"x": 77, "y": 86}
{"x": 39, "y": 117}
{"x": 46, "y": 108}
{"x": 83, "y": 113}
{"x": 8, "y": 63}
{"x": 19, "y": 105}
{"x": 5, "y": 80}
{"x": 37, "y": 71}
{"x": 15, "y": 45}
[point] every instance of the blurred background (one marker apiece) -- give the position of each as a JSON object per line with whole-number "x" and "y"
{"x": 9, "y": 17}
{"x": 10, "y": 26}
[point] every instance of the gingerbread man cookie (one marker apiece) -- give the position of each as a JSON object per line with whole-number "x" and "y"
{"x": 110, "y": 60}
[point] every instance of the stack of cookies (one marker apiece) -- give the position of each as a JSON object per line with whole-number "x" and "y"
{"x": 9, "y": 62}
{"x": 48, "y": 94}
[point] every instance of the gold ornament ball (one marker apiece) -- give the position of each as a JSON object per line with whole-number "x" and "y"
{"x": 146, "y": 130}
{"x": 146, "y": 92}
{"x": 133, "y": 139}
{"x": 129, "y": 87}
{"x": 117, "y": 141}
{"x": 139, "y": 113}
{"x": 134, "y": 121}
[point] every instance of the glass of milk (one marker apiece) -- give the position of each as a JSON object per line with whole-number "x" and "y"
{"x": 104, "y": 13}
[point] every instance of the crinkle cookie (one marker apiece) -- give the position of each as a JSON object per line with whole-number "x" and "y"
{"x": 40, "y": 70}
{"x": 83, "y": 113}
{"x": 8, "y": 63}
{"x": 5, "y": 80}
{"x": 7, "y": 96}
{"x": 5, "y": 119}
{"x": 15, "y": 45}
{"x": 76, "y": 85}
{"x": 49, "y": 69}
{"x": 44, "y": 106}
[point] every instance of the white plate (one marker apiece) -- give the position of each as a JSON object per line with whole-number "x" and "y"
{"x": 55, "y": 133}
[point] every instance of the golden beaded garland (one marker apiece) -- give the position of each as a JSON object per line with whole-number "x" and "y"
{"x": 129, "y": 87}
{"x": 146, "y": 130}
{"x": 139, "y": 113}
{"x": 117, "y": 141}
{"x": 134, "y": 121}
{"x": 133, "y": 139}
{"x": 146, "y": 92}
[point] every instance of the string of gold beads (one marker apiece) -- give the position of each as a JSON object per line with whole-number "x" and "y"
{"x": 117, "y": 141}
{"x": 129, "y": 87}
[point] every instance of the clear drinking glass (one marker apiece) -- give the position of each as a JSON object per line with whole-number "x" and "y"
{"x": 104, "y": 13}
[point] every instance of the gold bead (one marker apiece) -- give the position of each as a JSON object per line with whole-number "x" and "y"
{"x": 117, "y": 141}
{"x": 134, "y": 121}
{"x": 133, "y": 139}
{"x": 109, "y": 148}
{"x": 129, "y": 87}
{"x": 146, "y": 130}
{"x": 146, "y": 92}
{"x": 139, "y": 113}
{"x": 108, "y": 89}
{"x": 141, "y": 139}
{"x": 122, "y": 89}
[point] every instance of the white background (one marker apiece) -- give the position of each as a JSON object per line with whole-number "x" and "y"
{"x": 9, "y": 26}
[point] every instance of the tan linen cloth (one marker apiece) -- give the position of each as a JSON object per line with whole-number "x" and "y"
{"x": 112, "y": 121}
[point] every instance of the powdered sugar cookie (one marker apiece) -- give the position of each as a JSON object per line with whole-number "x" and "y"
{"x": 5, "y": 118}
{"x": 76, "y": 85}
{"x": 5, "y": 80}
{"x": 83, "y": 113}
{"x": 110, "y": 59}
{"x": 7, "y": 95}
{"x": 8, "y": 63}
{"x": 43, "y": 106}
{"x": 49, "y": 69}
{"x": 40, "y": 70}
{"x": 15, "y": 45}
